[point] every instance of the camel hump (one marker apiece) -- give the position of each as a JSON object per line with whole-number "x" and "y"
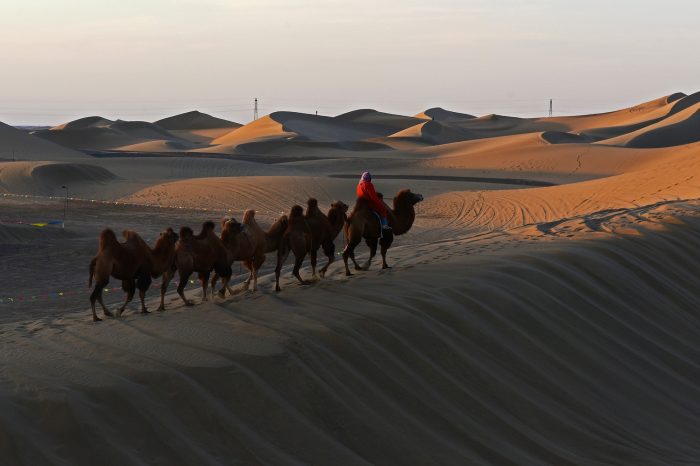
{"x": 130, "y": 235}
{"x": 207, "y": 227}
{"x": 249, "y": 216}
{"x": 312, "y": 203}
{"x": 186, "y": 233}
{"x": 107, "y": 238}
{"x": 297, "y": 211}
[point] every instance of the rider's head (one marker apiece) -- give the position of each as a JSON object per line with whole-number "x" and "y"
{"x": 366, "y": 176}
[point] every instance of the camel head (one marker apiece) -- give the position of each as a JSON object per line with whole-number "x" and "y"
{"x": 405, "y": 198}
{"x": 340, "y": 205}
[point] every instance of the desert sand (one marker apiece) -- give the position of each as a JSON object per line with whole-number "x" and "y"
{"x": 543, "y": 308}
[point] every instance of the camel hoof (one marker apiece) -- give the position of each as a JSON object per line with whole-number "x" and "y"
{"x": 349, "y": 274}
{"x": 96, "y": 319}
{"x": 161, "y": 309}
{"x": 145, "y": 311}
{"x": 189, "y": 303}
{"x": 357, "y": 267}
{"x": 108, "y": 313}
{"x": 222, "y": 294}
{"x": 385, "y": 266}
{"x": 278, "y": 289}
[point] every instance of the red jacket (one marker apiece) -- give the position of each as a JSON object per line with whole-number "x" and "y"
{"x": 365, "y": 190}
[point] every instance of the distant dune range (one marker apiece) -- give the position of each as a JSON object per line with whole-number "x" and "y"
{"x": 543, "y": 309}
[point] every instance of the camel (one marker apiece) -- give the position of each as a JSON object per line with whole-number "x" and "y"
{"x": 202, "y": 254}
{"x": 363, "y": 223}
{"x": 296, "y": 239}
{"x": 134, "y": 263}
{"x": 245, "y": 242}
{"x": 324, "y": 230}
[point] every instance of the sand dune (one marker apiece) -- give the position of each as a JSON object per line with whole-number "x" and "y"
{"x": 557, "y": 353}
{"x": 261, "y": 129}
{"x": 679, "y": 128}
{"x": 195, "y": 120}
{"x": 18, "y": 145}
{"x": 444, "y": 116}
{"x": 435, "y": 133}
{"x": 46, "y": 178}
{"x": 386, "y": 123}
{"x": 99, "y": 134}
{"x": 86, "y": 122}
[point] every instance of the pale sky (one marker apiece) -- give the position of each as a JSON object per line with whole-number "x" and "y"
{"x": 147, "y": 59}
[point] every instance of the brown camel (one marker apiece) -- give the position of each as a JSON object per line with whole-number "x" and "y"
{"x": 245, "y": 242}
{"x": 324, "y": 230}
{"x": 363, "y": 223}
{"x": 134, "y": 263}
{"x": 202, "y": 254}
{"x": 296, "y": 239}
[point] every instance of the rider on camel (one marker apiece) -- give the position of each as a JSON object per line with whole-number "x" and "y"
{"x": 365, "y": 190}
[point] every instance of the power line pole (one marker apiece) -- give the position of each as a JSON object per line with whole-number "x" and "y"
{"x": 65, "y": 207}
{"x": 550, "y": 108}
{"x": 255, "y": 111}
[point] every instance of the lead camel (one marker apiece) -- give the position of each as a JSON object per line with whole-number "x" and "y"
{"x": 364, "y": 223}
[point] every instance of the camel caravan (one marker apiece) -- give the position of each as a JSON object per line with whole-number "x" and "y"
{"x": 207, "y": 254}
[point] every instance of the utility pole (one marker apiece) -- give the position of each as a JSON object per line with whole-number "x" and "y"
{"x": 550, "y": 108}
{"x": 255, "y": 111}
{"x": 65, "y": 207}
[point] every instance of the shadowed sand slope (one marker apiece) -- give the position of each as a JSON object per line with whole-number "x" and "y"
{"x": 19, "y": 145}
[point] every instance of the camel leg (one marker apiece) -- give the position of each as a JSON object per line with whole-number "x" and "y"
{"x": 314, "y": 253}
{"x": 224, "y": 286}
{"x": 349, "y": 251}
{"x": 130, "y": 288}
{"x": 372, "y": 243}
{"x": 257, "y": 263}
{"x": 96, "y": 295}
{"x": 385, "y": 244}
{"x": 167, "y": 276}
{"x": 181, "y": 288}
{"x": 222, "y": 292}
{"x": 282, "y": 254}
{"x": 143, "y": 283}
{"x": 298, "y": 260}
{"x": 249, "y": 265}
{"x": 204, "y": 278}
{"x": 329, "y": 251}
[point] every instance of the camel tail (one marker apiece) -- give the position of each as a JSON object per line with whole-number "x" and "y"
{"x": 93, "y": 263}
